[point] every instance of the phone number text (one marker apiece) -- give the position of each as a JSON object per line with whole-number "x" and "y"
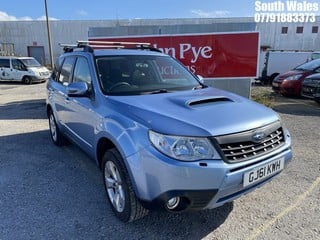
{"x": 284, "y": 17}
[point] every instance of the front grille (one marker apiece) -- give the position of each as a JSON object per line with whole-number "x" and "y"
{"x": 308, "y": 91}
{"x": 241, "y": 146}
{"x": 44, "y": 73}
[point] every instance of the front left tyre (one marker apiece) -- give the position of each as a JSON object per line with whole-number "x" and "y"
{"x": 120, "y": 193}
{"x": 27, "y": 80}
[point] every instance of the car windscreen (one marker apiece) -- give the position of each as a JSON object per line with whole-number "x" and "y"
{"x": 30, "y": 62}
{"x": 315, "y": 55}
{"x": 143, "y": 74}
{"x": 309, "y": 66}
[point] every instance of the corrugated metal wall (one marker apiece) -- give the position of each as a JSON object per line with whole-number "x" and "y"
{"x": 270, "y": 35}
{"x": 176, "y": 27}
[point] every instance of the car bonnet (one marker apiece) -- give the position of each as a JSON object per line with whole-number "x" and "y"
{"x": 204, "y": 112}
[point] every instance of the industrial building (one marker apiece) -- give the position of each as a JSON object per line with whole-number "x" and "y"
{"x": 30, "y": 38}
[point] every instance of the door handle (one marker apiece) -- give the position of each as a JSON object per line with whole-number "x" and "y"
{"x": 67, "y": 100}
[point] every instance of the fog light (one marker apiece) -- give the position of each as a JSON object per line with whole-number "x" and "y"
{"x": 173, "y": 203}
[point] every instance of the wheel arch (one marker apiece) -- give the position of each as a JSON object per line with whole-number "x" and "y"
{"x": 104, "y": 144}
{"x": 24, "y": 79}
{"x": 48, "y": 109}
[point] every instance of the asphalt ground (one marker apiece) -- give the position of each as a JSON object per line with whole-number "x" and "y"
{"x": 47, "y": 192}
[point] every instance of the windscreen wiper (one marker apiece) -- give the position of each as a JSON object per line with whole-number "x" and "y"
{"x": 162, "y": 90}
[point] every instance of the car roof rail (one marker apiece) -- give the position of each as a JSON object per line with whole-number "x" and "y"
{"x": 89, "y": 46}
{"x": 76, "y": 47}
{"x": 119, "y": 45}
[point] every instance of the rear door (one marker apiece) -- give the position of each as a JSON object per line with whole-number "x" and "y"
{"x": 57, "y": 89}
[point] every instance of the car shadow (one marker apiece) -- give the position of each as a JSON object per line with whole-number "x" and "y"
{"x": 296, "y": 106}
{"x": 29, "y": 109}
{"x": 16, "y": 83}
{"x": 187, "y": 225}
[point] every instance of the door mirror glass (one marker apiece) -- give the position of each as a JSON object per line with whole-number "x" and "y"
{"x": 78, "y": 89}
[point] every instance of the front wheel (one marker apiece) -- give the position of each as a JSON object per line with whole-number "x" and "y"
{"x": 121, "y": 196}
{"x": 27, "y": 80}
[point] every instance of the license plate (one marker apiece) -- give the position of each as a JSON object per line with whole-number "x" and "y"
{"x": 260, "y": 173}
{"x": 275, "y": 84}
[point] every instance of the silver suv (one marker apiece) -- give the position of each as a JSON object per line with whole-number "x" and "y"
{"x": 162, "y": 138}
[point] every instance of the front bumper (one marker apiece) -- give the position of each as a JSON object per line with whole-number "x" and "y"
{"x": 38, "y": 79}
{"x": 287, "y": 87}
{"x": 309, "y": 90}
{"x": 203, "y": 184}
{"x": 291, "y": 87}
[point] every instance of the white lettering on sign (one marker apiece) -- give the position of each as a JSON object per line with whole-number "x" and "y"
{"x": 186, "y": 48}
{"x": 205, "y": 52}
{"x": 168, "y": 70}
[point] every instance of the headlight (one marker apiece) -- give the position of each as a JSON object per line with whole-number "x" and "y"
{"x": 183, "y": 148}
{"x": 294, "y": 77}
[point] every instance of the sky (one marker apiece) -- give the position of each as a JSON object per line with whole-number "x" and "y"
{"x": 11, "y": 10}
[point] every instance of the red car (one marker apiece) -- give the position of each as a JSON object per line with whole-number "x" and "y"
{"x": 290, "y": 83}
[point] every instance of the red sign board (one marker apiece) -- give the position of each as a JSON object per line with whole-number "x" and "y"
{"x": 218, "y": 55}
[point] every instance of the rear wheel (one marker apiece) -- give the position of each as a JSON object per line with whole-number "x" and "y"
{"x": 55, "y": 133}
{"x": 121, "y": 196}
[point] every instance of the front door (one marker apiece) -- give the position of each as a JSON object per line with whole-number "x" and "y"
{"x": 80, "y": 118}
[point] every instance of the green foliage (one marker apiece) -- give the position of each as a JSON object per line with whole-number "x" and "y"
{"x": 263, "y": 96}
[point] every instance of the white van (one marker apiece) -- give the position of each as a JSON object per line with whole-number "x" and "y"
{"x": 23, "y": 69}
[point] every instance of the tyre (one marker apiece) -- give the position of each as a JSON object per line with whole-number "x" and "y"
{"x": 56, "y": 136}
{"x": 120, "y": 193}
{"x": 27, "y": 80}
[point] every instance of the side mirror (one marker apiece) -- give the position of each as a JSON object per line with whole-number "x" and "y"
{"x": 78, "y": 89}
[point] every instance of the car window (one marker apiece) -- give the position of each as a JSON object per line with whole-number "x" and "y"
{"x": 143, "y": 74}
{"x": 172, "y": 73}
{"x": 315, "y": 55}
{"x": 18, "y": 65}
{"x": 309, "y": 66}
{"x": 31, "y": 62}
{"x": 5, "y": 63}
{"x": 82, "y": 71}
{"x": 66, "y": 69}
